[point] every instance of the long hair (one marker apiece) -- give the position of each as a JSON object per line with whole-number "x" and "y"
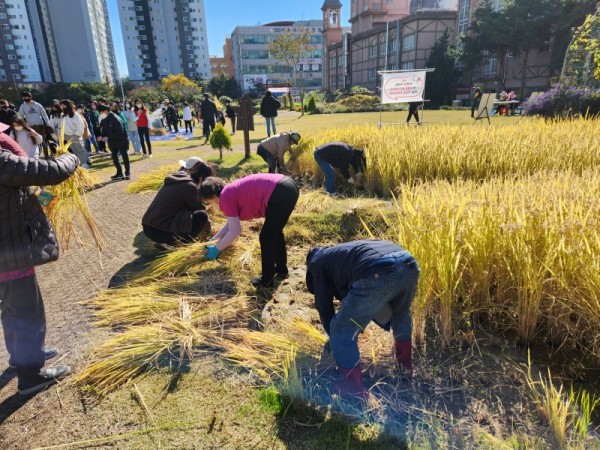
{"x": 69, "y": 107}
{"x": 18, "y": 120}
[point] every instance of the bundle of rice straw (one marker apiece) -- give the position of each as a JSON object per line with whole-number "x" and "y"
{"x": 69, "y": 207}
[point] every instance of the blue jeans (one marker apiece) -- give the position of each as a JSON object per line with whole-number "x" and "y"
{"x": 329, "y": 173}
{"x": 91, "y": 141}
{"x": 270, "y": 123}
{"x": 134, "y": 138}
{"x": 392, "y": 281}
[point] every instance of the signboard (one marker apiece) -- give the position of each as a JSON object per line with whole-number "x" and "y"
{"x": 402, "y": 87}
{"x": 251, "y": 81}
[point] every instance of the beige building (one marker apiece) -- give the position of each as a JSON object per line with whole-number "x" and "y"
{"x": 223, "y": 64}
{"x": 401, "y": 44}
{"x": 367, "y": 14}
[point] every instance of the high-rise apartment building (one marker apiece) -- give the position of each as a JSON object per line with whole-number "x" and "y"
{"x": 164, "y": 37}
{"x": 56, "y": 40}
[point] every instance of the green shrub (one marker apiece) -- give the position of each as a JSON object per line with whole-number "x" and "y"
{"x": 311, "y": 106}
{"x": 360, "y": 102}
{"x": 220, "y": 139}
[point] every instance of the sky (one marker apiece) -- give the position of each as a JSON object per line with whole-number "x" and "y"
{"x": 222, "y": 16}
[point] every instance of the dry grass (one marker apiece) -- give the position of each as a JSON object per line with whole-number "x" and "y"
{"x": 151, "y": 181}
{"x": 70, "y": 209}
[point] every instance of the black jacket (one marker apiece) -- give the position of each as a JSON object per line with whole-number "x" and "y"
{"x": 27, "y": 238}
{"x": 112, "y": 128}
{"x": 269, "y": 106}
{"x": 331, "y": 271}
{"x": 341, "y": 155}
{"x": 176, "y": 201}
{"x": 229, "y": 112}
{"x": 208, "y": 110}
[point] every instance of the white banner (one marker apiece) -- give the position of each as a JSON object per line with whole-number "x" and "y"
{"x": 402, "y": 87}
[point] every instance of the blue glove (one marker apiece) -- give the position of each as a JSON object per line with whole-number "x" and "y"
{"x": 211, "y": 253}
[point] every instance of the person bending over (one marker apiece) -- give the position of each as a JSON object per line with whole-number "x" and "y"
{"x": 273, "y": 149}
{"x": 177, "y": 214}
{"x": 341, "y": 156}
{"x": 375, "y": 281}
{"x": 272, "y": 196}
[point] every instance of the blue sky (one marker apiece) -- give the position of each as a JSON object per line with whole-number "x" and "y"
{"x": 222, "y": 16}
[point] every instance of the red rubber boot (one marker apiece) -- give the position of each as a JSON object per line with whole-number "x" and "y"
{"x": 352, "y": 384}
{"x": 404, "y": 356}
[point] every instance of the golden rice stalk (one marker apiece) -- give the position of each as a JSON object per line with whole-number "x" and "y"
{"x": 70, "y": 207}
{"x": 175, "y": 336}
{"x": 151, "y": 181}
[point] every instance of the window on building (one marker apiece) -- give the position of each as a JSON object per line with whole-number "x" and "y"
{"x": 491, "y": 67}
{"x": 464, "y": 12}
{"x": 394, "y": 46}
{"x": 372, "y": 74}
{"x": 408, "y": 65}
{"x": 372, "y": 51}
{"x": 409, "y": 41}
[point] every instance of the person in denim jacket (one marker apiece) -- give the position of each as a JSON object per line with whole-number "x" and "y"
{"x": 375, "y": 281}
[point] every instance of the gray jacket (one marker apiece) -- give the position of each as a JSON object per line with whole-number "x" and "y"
{"x": 27, "y": 238}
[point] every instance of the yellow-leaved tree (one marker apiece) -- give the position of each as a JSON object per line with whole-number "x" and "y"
{"x": 180, "y": 88}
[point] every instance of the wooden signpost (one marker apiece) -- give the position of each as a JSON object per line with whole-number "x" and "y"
{"x": 245, "y": 120}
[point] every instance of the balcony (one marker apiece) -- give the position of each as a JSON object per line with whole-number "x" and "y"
{"x": 372, "y": 8}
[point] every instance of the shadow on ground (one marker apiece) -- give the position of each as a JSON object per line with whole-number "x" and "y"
{"x": 146, "y": 253}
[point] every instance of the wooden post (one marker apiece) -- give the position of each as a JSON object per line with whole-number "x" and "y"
{"x": 246, "y": 121}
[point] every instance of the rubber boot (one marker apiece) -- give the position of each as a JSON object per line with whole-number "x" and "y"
{"x": 404, "y": 356}
{"x": 352, "y": 384}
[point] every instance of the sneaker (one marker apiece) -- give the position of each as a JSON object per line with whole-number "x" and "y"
{"x": 49, "y": 353}
{"x": 127, "y": 177}
{"x": 144, "y": 156}
{"x": 46, "y": 377}
{"x": 259, "y": 282}
{"x": 150, "y": 156}
{"x": 282, "y": 275}
{"x": 165, "y": 247}
{"x": 118, "y": 176}
{"x": 333, "y": 195}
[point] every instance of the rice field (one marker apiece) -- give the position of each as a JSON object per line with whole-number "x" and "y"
{"x": 504, "y": 224}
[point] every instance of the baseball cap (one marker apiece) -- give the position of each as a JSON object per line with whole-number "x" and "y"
{"x": 3, "y": 127}
{"x": 190, "y": 162}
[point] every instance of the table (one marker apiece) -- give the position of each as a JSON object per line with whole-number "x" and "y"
{"x": 507, "y": 103}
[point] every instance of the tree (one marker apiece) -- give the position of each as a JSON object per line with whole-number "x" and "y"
{"x": 224, "y": 86}
{"x": 441, "y": 82}
{"x": 220, "y": 139}
{"x": 180, "y": 88}
{"x": 292, "y": 49}
{"x": 518, "y": 28}
{"x": 147, "y": 94}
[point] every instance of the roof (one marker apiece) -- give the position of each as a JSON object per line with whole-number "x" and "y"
{"x": 331, "y": 4}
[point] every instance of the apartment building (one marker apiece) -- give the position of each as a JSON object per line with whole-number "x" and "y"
{"x": 223, "y": 64}
{"x": 164, "y": 37}
{"x": 254, "y": 64}
{"x": 44, "y": 41}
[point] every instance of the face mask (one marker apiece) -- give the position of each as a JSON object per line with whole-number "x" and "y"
{"x": 18, "y": 127}
{"x": 26, "y": 100}
{"x": 104, "y": 115}
{"x": 139, "y": 105}
{"x": 80, "y": 111}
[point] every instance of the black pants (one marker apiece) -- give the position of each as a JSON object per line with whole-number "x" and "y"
{"x": 188, "y": 124}
{"x": 24, "y": 324}
{"x": 115, "y": 151}
{"x": 199, "y": 222}
{"x": 273, "y": 251}
{"x": 411, "y": 113}
{"x": 269, "y": 158}
{"x": 207, "y": 127}
{"x": 232, "y": 120}
{"x": 144, "y": 134}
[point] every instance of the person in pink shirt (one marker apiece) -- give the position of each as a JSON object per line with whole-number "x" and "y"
{"x": 268, "y": 195}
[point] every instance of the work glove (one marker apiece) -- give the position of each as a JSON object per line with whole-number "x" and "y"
{"x": 211, "y": 253}
{"x": 351, "y": 180}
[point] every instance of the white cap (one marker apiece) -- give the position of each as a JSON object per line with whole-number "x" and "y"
{"x": 190, "y": 162}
